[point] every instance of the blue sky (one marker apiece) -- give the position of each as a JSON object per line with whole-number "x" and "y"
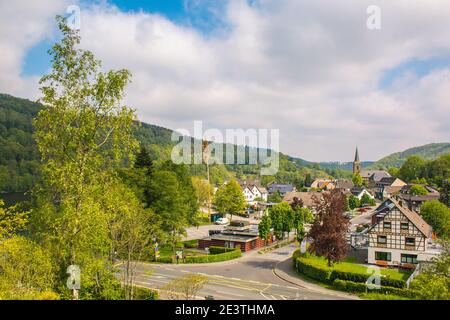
{"x": 37, "y": 61}
{"x": 419, "y": 68}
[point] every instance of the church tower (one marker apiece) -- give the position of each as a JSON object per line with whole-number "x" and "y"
{"x": 356, "y": 163}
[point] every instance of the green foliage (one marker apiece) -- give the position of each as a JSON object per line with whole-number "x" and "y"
{"x": 366, "y": 200}
{"x": 12, "y": 221}
{"x": 418, "y": 190}
{"x": 357, "y": 180}
{"x": 282, "y": 217}
{"x": 141, "y": 293}
{"x": 353, "y": 202}
{"x": 230, "y": 199}
{"x": 219, "y": 250}
{"x": 26, "y": 270}
{"x": 275, "y": 197}
{"x": 346, "y": 270}
{"x": 437, "y": 215}
{"x": 413, "y": 168}
{"x": 359, "y": 287}
{"x": 429, "y": 152}
{"x": 236, "y": 253}
{"x": 264, "y": 228}
{"x": 19, "y": 164}
{"x": 431, "y": 287}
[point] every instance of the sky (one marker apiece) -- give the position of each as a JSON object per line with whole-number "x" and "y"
{"x": 311, "y": 69}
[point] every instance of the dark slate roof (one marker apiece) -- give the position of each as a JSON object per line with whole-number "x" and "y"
{"x": 282, "y": 188}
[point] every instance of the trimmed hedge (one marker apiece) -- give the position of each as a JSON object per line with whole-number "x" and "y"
{"x": 329, "y": 276}
{"x": 357, "y": 287}
{"x": 312, "y": 271}
{"x": 236, "y": 253}
{"x": 165, "y": 260}
{"x": 219, "y": 250}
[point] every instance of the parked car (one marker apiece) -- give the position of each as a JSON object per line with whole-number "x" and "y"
{"x": 222, "y": 221}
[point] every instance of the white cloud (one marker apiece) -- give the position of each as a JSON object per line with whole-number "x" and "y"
{"x": 310, "y": 68}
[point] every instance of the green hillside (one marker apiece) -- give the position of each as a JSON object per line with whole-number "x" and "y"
{"x": 19, "y": 156}
{"x": 429, "y": 152}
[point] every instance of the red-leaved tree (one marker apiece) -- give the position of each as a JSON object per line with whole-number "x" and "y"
{"x": 329, "y": 227}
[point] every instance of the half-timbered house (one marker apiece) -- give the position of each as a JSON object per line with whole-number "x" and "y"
{"x": 398, "y": 236}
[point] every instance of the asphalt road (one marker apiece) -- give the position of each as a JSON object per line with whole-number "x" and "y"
{"x": 250, "y": 277}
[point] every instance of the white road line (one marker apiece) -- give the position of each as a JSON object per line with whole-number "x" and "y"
{"x": 265, "y": 297}
{"x": 273, "y": 298}
{"x": 230, "y": 293}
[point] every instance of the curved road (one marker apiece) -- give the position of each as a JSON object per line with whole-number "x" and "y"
{"x": 250, "y": 277}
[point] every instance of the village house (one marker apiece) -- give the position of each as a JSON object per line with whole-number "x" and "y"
{"x": 239, "y": 234}
{"x": 323, "y": 184}
{"x": 252, "y": 191}
{"x": 307, "y": 198}
{"x": 399, "y": 237}
{"x": 392, "y": 184}
{"x": 359, "y": 192}
{"x": 414, "y": 202}
{"x": 281, "y": 188}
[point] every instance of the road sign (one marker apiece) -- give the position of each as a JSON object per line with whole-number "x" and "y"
{"x": 156, "y": 247}
{"x": 303, "y": 246}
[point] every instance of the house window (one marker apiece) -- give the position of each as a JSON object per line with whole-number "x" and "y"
{"x": 410, "y": 241}
{"x": 409, "y": 258}
{"x": 382, "y": 239}
{"x": 404, "y": 226}
{"x": 383, "y": 256}
{"x": 387, "y": 225}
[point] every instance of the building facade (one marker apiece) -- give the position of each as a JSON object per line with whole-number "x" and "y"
{"x": 398, "y": 236}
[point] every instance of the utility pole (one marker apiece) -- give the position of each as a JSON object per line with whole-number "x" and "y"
{"x": 205, "y": 151}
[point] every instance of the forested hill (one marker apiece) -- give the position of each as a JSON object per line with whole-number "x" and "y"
{"x": 429, "y": 152}
{"x": 19, "y": 158}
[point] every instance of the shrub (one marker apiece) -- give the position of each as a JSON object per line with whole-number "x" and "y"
{"x": 314, "y": 272}
{"x": 236, "y": 253}
{"x": 191, "y": 243}
{"x": 218, "y": 250}
{"x": 357, "y": 287}
{"x": 326, "y": 275}
{"x": 145, "y": 294}
{"x": 165, "y": 260}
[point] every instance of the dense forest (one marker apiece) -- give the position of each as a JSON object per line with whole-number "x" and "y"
{"x": 19, "y": 156}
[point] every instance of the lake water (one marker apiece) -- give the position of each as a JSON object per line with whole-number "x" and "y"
{"x": 11, "y": 199}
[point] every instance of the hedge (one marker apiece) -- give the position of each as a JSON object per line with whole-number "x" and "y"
{"x": 219, "y": 250}
{"x": 145, "y": 294}
{"x": 312, "y": 271}
{"x": 236, "y": 253}
{"x": 329, "y": 276}
{"x": 357, "y": 287}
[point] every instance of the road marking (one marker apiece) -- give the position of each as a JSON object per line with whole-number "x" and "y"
{"x": 231, "y": 294}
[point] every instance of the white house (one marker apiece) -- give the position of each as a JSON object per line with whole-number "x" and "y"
{"x": 399, "y": 237}
{"x": 359, "y": 192}
{"x": 253, "y": 192}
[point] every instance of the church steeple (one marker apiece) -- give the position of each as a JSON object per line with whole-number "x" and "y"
{"x": 356, "y": 155}
{"x": 356, "y": 163}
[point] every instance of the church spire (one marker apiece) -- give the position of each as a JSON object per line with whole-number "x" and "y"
{"x": 356, "y": 154}
{"x": 356, "y": 163}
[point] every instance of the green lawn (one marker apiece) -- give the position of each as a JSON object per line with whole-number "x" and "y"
{"x": 349, "y": 266}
